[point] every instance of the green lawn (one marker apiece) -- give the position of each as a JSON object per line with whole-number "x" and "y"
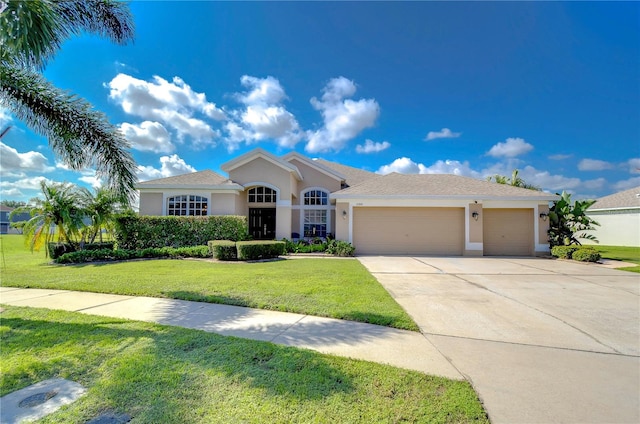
{"x": 337, "y": 288}
{"x": 620, "y": 253}
{"x": 161, "y": 374}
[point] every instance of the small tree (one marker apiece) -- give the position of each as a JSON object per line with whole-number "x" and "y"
{"x": 60, "y": 210}
{"x": 567, "y": 220}
{"x": 101, "y": 207}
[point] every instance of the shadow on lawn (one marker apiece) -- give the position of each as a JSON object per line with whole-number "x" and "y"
{"x": 138, "y": 365}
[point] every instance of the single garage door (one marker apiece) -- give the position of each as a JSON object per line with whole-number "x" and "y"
{"x": 507, "y": 232}
{"x": 414, "y": 231}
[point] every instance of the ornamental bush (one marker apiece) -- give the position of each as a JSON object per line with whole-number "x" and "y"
{"x": 586, "y": 254}
{"x": 254, "y": 250}
{"x": 123, "y": 254}
{"x": 136, "y": 232}
{"x": 58, "y": 249}
{"x": 340, "y": 248}
{"x": 223, "y": 250}
{"x": 563, "y": 252}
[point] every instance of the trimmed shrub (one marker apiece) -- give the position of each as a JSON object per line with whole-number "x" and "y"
{"x": 98, "y": 246}
{"x": 563, "y": 252}
{"x": 253, "y": 250}
{"x": 340, "y": 248}
{"x": 586, "y": 254}
{"x": 223, "y": 250}
{"x": 122, "y": 254}
{"x": 56, "y": 250}
{"x": 140, "y": 232}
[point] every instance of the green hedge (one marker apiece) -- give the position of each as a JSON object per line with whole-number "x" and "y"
{"x": 577, "y": 253}
{"x": 123, "y": 254}
{"x": 254, "y": 250}
{"x": 340, "y": 248}
{"x": 563, "y": 252}
{"x": 56, "y": 250}
{"x": 135, "y": 232}
{"x": 586, "y": 254}
{"x": 224, "y": 250}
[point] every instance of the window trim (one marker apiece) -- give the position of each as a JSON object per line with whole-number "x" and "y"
{"x": 327, "y": 208}
{"x": 203, "y": 200}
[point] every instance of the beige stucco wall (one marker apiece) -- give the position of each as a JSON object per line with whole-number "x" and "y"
{"x": 150, "y": 203}
{"x": 313, "y": 178}
{"x": 475, "y": 227}
{"x": 543, "y": 224}
{"x": 283, "y": 222}
{"x": 223, "y": 204}
{"x": 342, "y": 222}
{"x": 261, "y": 170}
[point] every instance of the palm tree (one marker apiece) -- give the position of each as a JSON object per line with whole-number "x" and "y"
{"x": 59, "y": 212}
{"x": 101, "y": 208}
{"x": 31, "y": 33}
{"x": 515, "y": 180}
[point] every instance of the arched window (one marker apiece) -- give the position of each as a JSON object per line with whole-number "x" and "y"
{"x": 262, "y": 195}
{"x": 315, "y": 220}
{"x": 187, "y": 205}
{"x": 315, "y": 197}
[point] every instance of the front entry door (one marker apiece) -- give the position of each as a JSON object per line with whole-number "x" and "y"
{"x": 262, "y": 223}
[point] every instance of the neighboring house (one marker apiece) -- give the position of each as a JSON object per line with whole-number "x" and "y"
{"x": 619, "y": 218}
{"x": 5, "y": 222}
{"x": 293, "y": 196}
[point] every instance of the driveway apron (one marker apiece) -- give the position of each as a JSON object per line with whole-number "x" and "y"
{"x": 541, "y": 340}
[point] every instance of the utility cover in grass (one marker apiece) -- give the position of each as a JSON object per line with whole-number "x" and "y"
{"x": 38, "y": 400}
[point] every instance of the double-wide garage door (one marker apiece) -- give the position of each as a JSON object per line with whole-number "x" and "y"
{"x": 413, "y": 231}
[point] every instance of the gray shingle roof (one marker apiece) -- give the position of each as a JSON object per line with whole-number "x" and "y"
{"x": 353, "y": 176}
{"x": 201, "y": 178}
{"x": 437, "y": 185}
{"x": 624, "y": 199}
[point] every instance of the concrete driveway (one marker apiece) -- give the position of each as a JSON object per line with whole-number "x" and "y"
{"x": 541, "y": 340}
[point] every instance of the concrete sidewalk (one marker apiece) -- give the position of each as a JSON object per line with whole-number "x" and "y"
{"x": 400, "y": 348}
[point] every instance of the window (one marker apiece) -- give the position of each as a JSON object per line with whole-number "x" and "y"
{"x": 315, "y": 223}
{"x": 262, "y": 195}
{"x": 315, "y": 197}
{"x": 188, "y": 205}
{"x": 315, "y": 215}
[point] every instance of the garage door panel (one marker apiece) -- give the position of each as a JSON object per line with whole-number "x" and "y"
{"x": 508, "y": 232}
{"x": 418, "y": 231}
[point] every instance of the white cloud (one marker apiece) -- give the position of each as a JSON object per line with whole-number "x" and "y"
{"x": 559, "y": 157}
{"x": 5, "y": 118}
{"x": 148, "y": 136}
{"x": 12, "y": 161}
{"x": 31, "y": 183}
{"x": 443, "y": 133}
{"x": 343, "y": 118}
{"x": 370, "y": 146}
{"x": 13, "y": 192}
{"x": 512, "y": 147}
{"x": 172, "y": 103}
{"x": 634, "y": 165}
{"x": 596, "y": 184}
{"x": 451, "y": 167}
{"x": 403, "y": 165}
{"x": 92, "y": 180}
{"x": 546, "y": 180}
{"x": 264, "y": 117}
{"x": 627, "y": 184}
{"x": 593, "y": 165}
{"x": 169, "y": 166}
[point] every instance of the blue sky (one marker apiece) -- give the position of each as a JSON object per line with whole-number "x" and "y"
{"x": 472, "y": 88}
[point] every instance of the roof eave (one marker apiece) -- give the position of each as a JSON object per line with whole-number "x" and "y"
{"x": 230, "y": 187}
{"x": 443, "y": 197}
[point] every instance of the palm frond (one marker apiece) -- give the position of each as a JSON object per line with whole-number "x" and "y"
{"x": 33, "y": 31}
{"x": 79, "y": 134}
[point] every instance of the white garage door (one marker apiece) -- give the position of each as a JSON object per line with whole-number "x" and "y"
{"x": 508, "y": 232}
{"x": 416, "y": 231}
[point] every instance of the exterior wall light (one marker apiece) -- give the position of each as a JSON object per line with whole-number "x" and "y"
{"x": 475, "y": 215}
{"x": 344, "y": 214}
{"x": 544, "y": 216}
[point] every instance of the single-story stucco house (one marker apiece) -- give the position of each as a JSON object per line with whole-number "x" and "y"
{"x": 619, "y": 217}
{"x": 5, "y": 221}
{"x": 293, "y": 196}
